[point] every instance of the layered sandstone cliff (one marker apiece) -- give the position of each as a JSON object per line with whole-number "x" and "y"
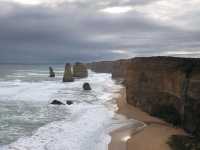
{"x": 120, "y": 68}
{"x": 153, "y": 83}
{"x": 117, "y": 68}
{"x": 101, "y": 67}
{"x": 157, "y": 84}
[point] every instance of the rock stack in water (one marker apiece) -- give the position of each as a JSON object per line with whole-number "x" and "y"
{"x": 51, "y": 72}
{"x": 87, "y": 87}
{"x": 56, "y": 102}
{"x": 80, "y": 70}
{"x": 68, "y": 77}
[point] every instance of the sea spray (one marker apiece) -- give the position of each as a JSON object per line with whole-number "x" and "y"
{"x": 85, "y": 125}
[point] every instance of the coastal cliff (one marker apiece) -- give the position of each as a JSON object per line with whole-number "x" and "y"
{"x": 117, "y": 68}
{"x": 101, "y": 67}
{"x": 160, "y": 85}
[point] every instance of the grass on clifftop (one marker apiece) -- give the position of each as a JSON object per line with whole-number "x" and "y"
{"x": 181, "y": 142}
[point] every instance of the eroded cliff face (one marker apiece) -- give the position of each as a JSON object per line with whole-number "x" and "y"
{"x": 120, "y": 68}
{"x": 157, "y": 83}
{"x": 117, "y": 68}
{"x": 101, "y": 67}
{"x": 154, "y": 81}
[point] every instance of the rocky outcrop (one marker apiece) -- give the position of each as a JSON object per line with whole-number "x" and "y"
{"x": 101, "y": 67}
{"x": 80, "y": 70}
{"x": 69, "y": 102}
{"x": 168, "y": 87}
{"x": 87, "y": 87}
{"x": 156, "y": 82}
{"x": 51, "y": 72}
{"x": 118, "y": 68}
{"x": 56, "y": 102}
{"x": 68, "y": 77}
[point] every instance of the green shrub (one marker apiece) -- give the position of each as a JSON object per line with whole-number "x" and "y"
{"x": 181, "y": 142}
{"x": 168, "y": 113}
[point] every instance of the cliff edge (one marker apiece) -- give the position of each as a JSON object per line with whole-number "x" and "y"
{"x": 166, "y": 87}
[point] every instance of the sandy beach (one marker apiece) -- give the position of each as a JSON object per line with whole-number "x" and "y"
{"x": 153, "y": 135}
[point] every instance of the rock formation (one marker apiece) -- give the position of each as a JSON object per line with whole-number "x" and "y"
{"x": 117, "y": 68}
{"x": 68, "y": 77}
{"x": 56, "y": 102}
{"x": 51, "y": 72}
{"x": 156, "y": 82}
{"x": 80, "y": 70}
{"x": 161, "y": 83}
{"x": 69, "y": 102}
{"x": 101, "y": 67}
{"x": 86, "y": 86}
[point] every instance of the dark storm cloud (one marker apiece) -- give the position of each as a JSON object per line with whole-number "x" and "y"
{"x": 80, "y": 31}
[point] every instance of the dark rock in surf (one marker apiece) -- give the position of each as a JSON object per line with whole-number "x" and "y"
{"x": 56, "y": 102}
{"x": 69, "y": 102}
{"x": 51, "y": 72}
{"x": 86, "y": 86}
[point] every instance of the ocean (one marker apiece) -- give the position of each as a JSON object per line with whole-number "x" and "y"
{"x": 29, "y": 122}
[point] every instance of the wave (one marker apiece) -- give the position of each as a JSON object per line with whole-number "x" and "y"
{"x": 87, "y": 123}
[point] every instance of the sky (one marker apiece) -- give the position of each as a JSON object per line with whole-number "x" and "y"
{"x": 57, "y": 31}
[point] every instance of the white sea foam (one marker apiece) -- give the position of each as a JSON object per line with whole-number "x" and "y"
{"x": 92, "y": 118}
{"x": 26, "y": 91}
{"x": 85, "y": 131}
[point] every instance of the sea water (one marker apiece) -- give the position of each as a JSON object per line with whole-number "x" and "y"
{"x": 29, "y": 122}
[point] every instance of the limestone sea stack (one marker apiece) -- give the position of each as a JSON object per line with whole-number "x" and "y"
{"x": 68, "y": 77}
{"x": 51, "y": 72}
{"x": 80, "y": 70}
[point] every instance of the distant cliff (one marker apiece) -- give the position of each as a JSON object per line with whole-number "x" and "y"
{"x": 117, "y": 68}
{"x": 102, "y": 66}
{"x": 160, "y": 85}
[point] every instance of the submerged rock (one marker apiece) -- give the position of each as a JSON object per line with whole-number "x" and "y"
{"x": 80, "y": 70}
{"x": 69, "y": 102}
{"x": 51, "y": 72}
{"x": 68, "y": 77}
{"x": 86, "y": 86}
{"x": 56, "y": 102}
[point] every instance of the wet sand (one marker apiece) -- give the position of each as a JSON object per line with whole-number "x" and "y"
{"x": 152, "y": 134}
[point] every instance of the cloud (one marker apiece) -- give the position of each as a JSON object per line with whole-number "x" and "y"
{"x": 174, "y": 12}
{"x": 117, "y": 10}
{"x": 70, "y": 30}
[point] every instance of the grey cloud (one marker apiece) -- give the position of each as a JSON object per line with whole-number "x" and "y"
{"x": 67, "y": 33}
{"x": 94, "y": 4}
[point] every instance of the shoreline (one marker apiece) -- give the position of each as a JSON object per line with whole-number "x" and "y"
{"x": 152, "y": 135}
